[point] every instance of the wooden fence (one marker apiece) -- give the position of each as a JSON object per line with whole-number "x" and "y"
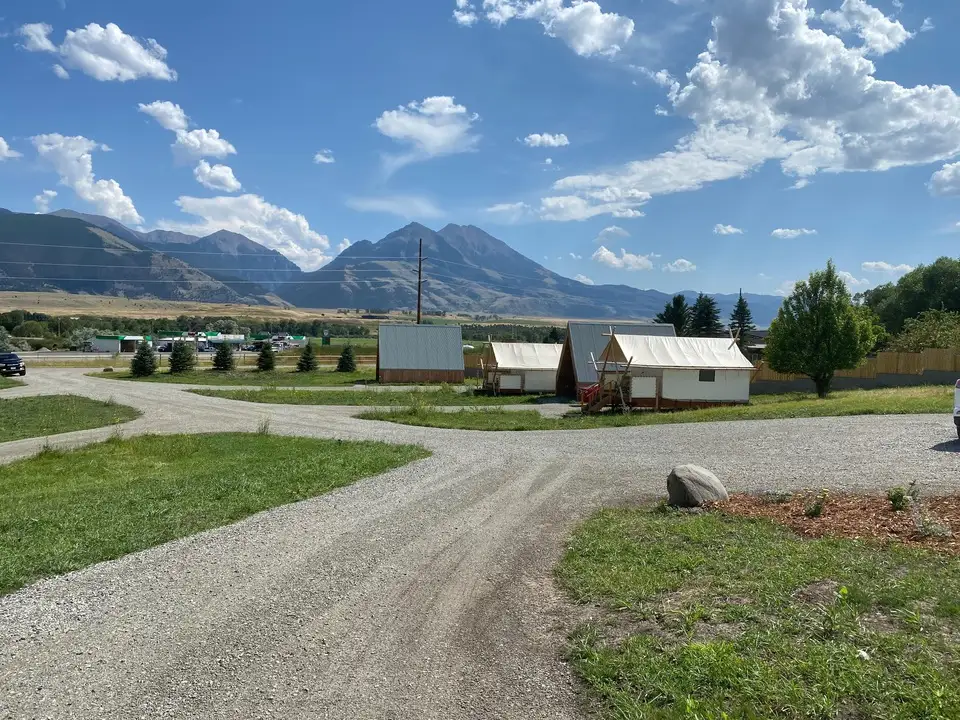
{"x": 885, "y": 363}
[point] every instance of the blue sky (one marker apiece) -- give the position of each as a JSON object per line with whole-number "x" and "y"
{"x": 669, "y": 144}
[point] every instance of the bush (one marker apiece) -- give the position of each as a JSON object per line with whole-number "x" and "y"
{"x": 182, "y": 358}
{"x": 144, "y": 363}
{"x": 348, "y": 360}
{"x": 267, "y": 359}
{"x": 308, "y": 359}
{"x": 898, "y": 498}
{"x": 814, "y": 509}
{"x": 224, "y": 360}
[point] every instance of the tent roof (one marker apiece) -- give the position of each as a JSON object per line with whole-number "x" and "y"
{"x": 678, "y": 352}
{"x": 592, "y": 337}
{"x": 526, "y": 356}
{"x": 420, "y": 347}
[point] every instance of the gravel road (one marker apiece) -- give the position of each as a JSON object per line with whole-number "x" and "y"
{"x": 422, "y": 593}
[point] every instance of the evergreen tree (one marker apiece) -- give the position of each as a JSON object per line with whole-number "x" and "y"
{"x": 144, "y": 362}
{"x": 182, "y": 358}
{"x": 347, "y": 361}
{"x": 741, "y": 322}
{"x": 224, "y": 360}
{"x": 267, "y": 359}
{"x": 676, "y": 313}
{"x": 308, "y": 358}
{"x": 705, "y": 317}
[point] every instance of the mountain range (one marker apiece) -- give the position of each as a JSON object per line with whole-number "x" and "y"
{"x": 465, "y": 270}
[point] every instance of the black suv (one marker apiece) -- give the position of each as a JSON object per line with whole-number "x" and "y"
{"x": 11, "y": 364}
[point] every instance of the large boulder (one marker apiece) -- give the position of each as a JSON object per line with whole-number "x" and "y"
{"x": 693, "y": 486}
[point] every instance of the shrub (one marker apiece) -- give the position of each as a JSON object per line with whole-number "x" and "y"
{"x": 814, "y": 508}
{"x": 224, "y": 360}
{"x": 308, "y": 359}
{"x": 182, "y": 358}
{"x": 347, "y": 361}
{"x": 899, "y": 500}
{"x": 267, "y": 359}
{"x": 144, "y": 362}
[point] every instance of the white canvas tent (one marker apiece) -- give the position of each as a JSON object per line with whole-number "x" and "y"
{"x": 679, "y": 371}
{"x": 521, "y": 367}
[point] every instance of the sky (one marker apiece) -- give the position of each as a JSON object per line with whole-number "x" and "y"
{"x": 709, "y": 145}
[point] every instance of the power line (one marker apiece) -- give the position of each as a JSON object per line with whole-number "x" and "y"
{"x": 171, "y": 252}
{"x": 182, "y": 280}
{"x": 194, "y": 267}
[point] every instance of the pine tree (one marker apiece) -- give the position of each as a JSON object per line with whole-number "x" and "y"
{"x": 676, "y": 313}
{"x": 308, "y": 359}
{"x": 741, "y": 322}
{"x": 144, "y": 362}
{"x": 347, "y": 361}
{"x": 267, "y": 359}
{"x": 182, "y": 358}
{"x": 705, "y": 317}
{"x": 224, "y": 360}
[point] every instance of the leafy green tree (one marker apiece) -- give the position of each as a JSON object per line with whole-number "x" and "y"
{"x": 82, "y": 338}
{"x": 927, "y": 287}
{"x": 347, "y": 361}
{"x": 932, "y": 329}
{"x": 30, "y": 329}
{"x": 224, "y": 360}
{"x": 308, "y": 359}
{"x": 705, "y": 317}
{"x": 182, "y": 357}
{"x": 741, "y": 322}
{"x": 267, "y": 359}
{"x": 676, "y": 313}
{"x": 6, "y": 344}
{"x": 819, "y": 331}
{"x": 144, "y": 362}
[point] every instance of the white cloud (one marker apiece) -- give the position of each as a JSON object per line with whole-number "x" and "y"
{"x": 623, "y": 261}
{"x": 216, "y": 177}
{"x": 583, "y": 279}
{"x": 434, "y": 127}
{"x": 72, "y": 159}
{"x": 852, "y": 282}
{"x": 42, "y": 201}
{"x": 405, "y": 206}
{"x": 582, "y": 25}
{"x": 274, "y": 227}
{"x": 927, "y": 25}
{"x": 343, "y": 245}
{"x": 548, "y": 161}
{"x": 190, "y": 144}
{"x": 880, "y": 266}
{"x": 679, "y": 265}
{"x": 790, "y": 233}
{"x": 946, "y": 181}
{"x": 574, "y": 256}
{"x": 509, "y": 212}
{"x": 6, "y": 152}
{"x": 720, "y": 229}
{"x": 574, "y": 207}
{"x": 546, "y": 140}
{"x": 879, "y": 33}
{"x": 786, "y": 288}
{"x": 464, "y": 14}
{"x": 324, "y": 157}
{"x": 799, "y": 184}
{"x": 103, "y": 53}
{"x": 61, "y": 72}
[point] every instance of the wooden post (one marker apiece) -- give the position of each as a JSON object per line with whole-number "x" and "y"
{"x": 420, "y": 283}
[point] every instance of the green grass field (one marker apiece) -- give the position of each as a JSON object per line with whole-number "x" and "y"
{"x": 62, "y": 511}
{"x": 890, "y": 401}
{"x": 710, "y": 617}
{"x": 278, "y": 378}
{"x": 6, "y": 382}
{"x": 406, "y": 399}
{"x": 43, "y": 415}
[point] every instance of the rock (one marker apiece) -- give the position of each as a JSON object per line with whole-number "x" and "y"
{"x": 692, "y": 486}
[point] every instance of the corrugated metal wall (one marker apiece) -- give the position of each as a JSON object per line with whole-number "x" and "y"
{"x": 420, "y": 347}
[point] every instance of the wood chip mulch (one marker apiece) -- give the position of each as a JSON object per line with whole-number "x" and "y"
{"x": 869, "y": 517}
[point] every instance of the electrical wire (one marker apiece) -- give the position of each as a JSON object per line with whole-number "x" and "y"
{"x": 194, "y": 267}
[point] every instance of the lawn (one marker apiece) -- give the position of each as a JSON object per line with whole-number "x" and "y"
{"x": 709, "y": 617}
{"x": 279, "y": 378}
{"x": 65, "y": 510}
{"x": 6, "y": 382}
{"x": 404, "y": 398}
{"x": 888, "y": 401}
{"x": 29, "y": 417}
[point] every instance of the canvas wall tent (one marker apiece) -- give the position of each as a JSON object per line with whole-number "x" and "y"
{"x": 576, "y": 372}
{"x": 668, "y": 372}
{"x": 420, "y": 354}
{"x": 521, "y": 367}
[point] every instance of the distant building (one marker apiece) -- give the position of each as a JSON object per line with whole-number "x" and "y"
{"x": 521, "y": 367}
{"x": 114, "y": 344}
{"x": 420, "y": 354}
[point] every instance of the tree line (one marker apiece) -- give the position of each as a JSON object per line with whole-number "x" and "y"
{"x": 702, "y": 319}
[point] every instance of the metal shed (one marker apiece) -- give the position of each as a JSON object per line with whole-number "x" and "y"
{"x": 586, "y": 339}
{"x": 420, "y": 354}
{"x": 521, "y": 367}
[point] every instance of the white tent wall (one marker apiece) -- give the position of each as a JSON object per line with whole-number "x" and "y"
{"x": 521, "y": 367}
{"x": 730, "y": 386}
{"x": 540, "y": 381}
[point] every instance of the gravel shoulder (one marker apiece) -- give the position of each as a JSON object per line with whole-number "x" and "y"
{"x": 425, "y": 592}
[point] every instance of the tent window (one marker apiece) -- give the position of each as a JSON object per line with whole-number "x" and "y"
{"x": 708, "y": 376}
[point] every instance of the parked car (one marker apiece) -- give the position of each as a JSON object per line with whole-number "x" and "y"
{"x": 956, "y": 408}
{"x": 11, "y": 364}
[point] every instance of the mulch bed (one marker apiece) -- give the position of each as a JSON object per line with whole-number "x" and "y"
{"x": 847, "y": 515}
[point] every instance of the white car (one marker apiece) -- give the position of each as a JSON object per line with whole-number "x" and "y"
{"x": 956, "y": 407}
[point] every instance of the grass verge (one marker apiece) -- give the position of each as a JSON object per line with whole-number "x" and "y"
{"x": 279, "y": 378}
{"x": 708, "y": 616}
{"x": 65, "y": 510}
{"x": 407, "y": 399}
{"x": 888, "y": 401}
{"x": 29, "y": 417}
{"x": 6, "y": 382}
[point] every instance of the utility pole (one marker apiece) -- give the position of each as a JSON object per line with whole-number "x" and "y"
{"x": 420, "y": 283}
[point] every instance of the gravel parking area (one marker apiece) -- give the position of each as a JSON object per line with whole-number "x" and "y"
{"x": 422, "y": 593}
